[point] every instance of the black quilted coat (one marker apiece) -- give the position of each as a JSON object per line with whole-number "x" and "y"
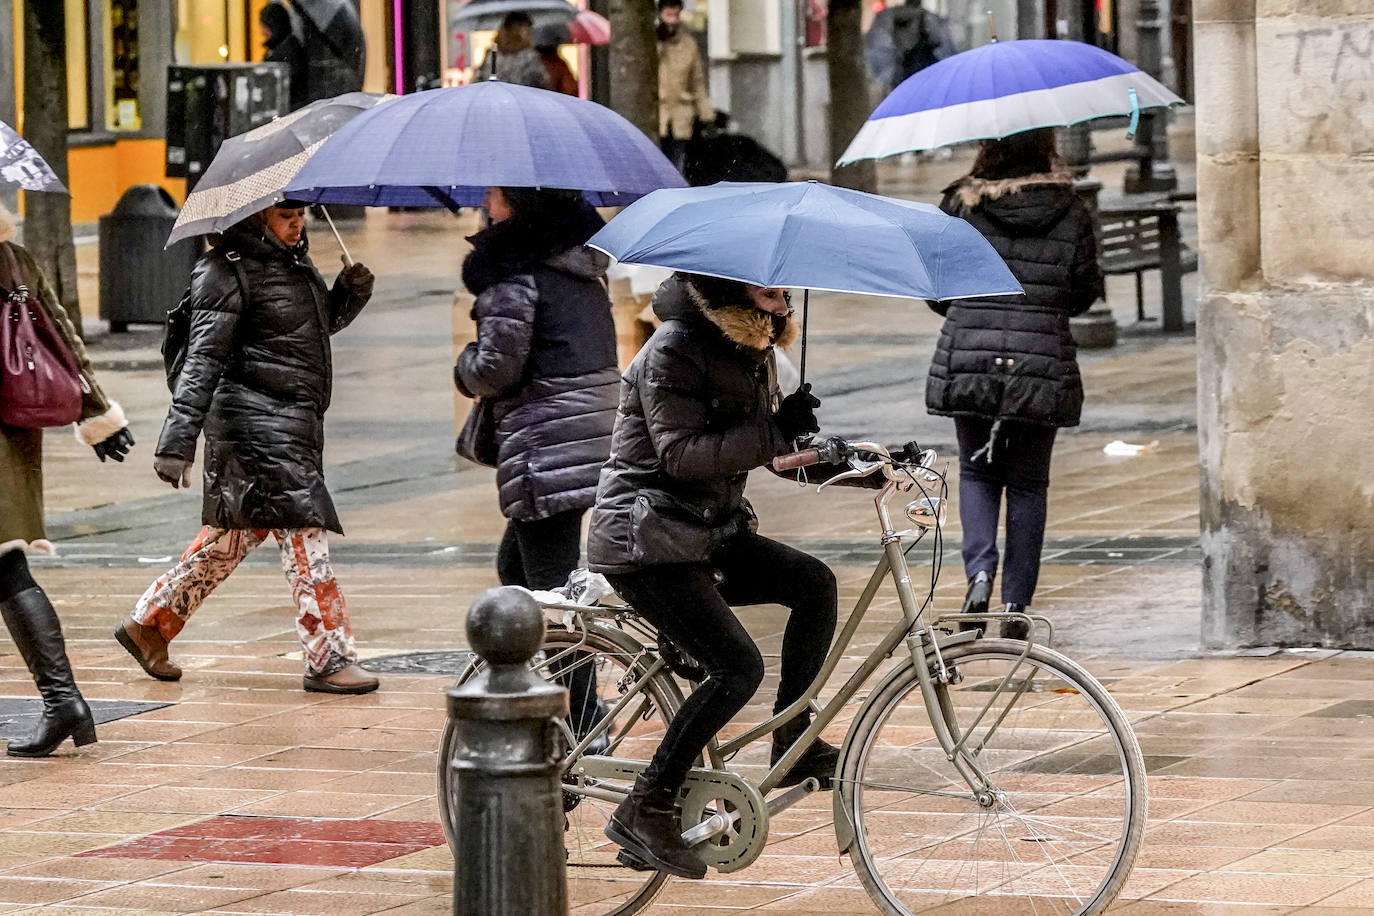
{"x": 1010, "y": 357}
{"x": 696, "y": 415}
{"x": 545, "y": 353}
{"x": 257, "y": 380}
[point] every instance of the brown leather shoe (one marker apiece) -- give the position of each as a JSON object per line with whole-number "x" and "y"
{"x": 148, "y": 648}
{"x": 346, "y": 680}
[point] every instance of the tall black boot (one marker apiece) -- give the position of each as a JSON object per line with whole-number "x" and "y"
{"x": 647, "y": 826}
{"x": 34, "y": 627}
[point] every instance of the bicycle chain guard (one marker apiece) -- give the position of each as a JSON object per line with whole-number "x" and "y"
{"x": 732, "y": 850}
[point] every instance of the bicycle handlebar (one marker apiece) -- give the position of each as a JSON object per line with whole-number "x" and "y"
{"x": 800, "y": 459}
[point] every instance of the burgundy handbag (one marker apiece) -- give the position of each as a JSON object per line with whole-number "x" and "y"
{"x": 40, "y": 381}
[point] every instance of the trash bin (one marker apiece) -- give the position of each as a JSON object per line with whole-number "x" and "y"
{"x": 139, "y": 280}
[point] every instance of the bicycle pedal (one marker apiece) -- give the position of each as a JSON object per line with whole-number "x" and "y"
{"x": 630, "y": 860}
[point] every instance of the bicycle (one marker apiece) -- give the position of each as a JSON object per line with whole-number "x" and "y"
{"x": 976, "y": 766}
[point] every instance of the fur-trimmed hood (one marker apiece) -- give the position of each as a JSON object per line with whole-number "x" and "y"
{"x": 1027, "y": 204}
{"x": 742, "y": 323}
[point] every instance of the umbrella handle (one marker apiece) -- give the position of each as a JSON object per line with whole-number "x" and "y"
{"x": 348, "y": 258}
{"x": 806, "y": 301}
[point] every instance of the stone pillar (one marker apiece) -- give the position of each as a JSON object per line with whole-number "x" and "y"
{"x": 1286, "y": 321}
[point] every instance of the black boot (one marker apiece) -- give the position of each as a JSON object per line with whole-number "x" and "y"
{"x": 818, "y": 760}
{"x": 1015, "y": 629}
{"x": 976, "y": 601}
{"x": 34, "y": 627}
{"x": 646, "y": 825}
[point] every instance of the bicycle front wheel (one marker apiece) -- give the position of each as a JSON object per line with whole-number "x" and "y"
{"x": 597, "y": 667}
{"x": 1062, "y": 825}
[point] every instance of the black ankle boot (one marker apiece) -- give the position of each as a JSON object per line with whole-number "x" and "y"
{"x": 34, "y": 627}
{"x": 818, "y": 760}
{"x": 647, "y": 826}
{"x": 976, "y": 600}
{"x": 1015, "y": 629}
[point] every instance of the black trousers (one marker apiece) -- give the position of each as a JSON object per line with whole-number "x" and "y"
{"x": 684, "y": 602}
{"x": 540, "y": 555}
{"x": 14, "y": 574}
{"x": 1020, "y": 466}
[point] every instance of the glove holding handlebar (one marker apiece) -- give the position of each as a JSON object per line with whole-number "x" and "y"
{"x": 796, "y": 416}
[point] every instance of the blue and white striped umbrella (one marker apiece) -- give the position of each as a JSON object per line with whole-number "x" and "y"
{"x": 1004, "y": 88}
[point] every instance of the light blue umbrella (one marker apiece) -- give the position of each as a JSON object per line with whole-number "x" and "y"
{"x": 1004, "y": 88}
{"x": 812, "y": 236}
{"x": 445, "y": 147}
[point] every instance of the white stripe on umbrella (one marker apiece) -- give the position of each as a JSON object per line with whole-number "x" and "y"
{"x": 1005, "y": 115}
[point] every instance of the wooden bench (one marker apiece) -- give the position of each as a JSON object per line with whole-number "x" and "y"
{"x": 1137, "y": 238}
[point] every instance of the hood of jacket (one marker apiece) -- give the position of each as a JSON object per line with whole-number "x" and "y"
{"x": 516, "y": 245}
{"x": 741, "y": 323}
{"x": 1027, "y": 205}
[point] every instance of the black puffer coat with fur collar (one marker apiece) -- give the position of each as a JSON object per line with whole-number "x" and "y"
{"x": 696, "y": 416}
{"x": 1013, "y": 357}
{"x": 545, "y": 355}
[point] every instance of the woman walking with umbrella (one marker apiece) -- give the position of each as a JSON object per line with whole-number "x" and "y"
{"x": 257, "y": 379}
{"x": 28, "y": 614}
{"x": 1006, "y": 369}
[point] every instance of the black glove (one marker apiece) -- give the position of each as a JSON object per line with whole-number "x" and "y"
{"x": 358, "y": 280}
{"x": 115, "y": 446}
{"x": 796, "y": 415}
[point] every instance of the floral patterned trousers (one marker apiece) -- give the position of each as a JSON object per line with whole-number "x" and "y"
{"x": 321, "y": 615}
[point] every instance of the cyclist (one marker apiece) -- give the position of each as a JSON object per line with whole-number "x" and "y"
{"x": 673, "y": 533}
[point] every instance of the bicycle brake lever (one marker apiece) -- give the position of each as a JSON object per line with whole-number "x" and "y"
{"x": 853, "y": 474}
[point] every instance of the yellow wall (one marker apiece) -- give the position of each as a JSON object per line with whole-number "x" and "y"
{"x": 100, "y": 174}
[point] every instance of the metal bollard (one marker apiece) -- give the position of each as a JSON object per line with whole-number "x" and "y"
{"x": 506, "y": 793}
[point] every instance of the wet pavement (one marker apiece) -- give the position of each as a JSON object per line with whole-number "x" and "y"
{"x": 235, "y": 792}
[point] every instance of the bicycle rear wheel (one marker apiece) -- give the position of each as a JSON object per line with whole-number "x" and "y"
{"x": 1064, "y": 824}
{"x": 597, "y": 882}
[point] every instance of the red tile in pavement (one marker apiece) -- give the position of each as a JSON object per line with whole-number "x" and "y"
{"x": 282, "y": 841}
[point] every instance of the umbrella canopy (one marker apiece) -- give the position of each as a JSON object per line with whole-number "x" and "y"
{"x": 22, "y": 167}
{"x": 586, "y": 28}
{"x": 251, "y": 170}
{"x": 337, "y": 21}
{"x": 485, "y": 15}
{"x": 809, "y": 235}
{"x": 1004, "y": 88}
{"x": 445, "y": 147}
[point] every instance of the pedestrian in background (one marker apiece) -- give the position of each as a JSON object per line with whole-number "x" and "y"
{"x": 257, "y": 380}
{"x": 1006, "y": 369}
{"x": 683, "y": 96}
{"x": 27, "y": 612}
{"x": 282, "y": 45}
{"x": 546, "y": 41}
{"x": 512, "y": 57}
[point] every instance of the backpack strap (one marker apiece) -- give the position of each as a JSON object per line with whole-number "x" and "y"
{"x": 233, "y": 257}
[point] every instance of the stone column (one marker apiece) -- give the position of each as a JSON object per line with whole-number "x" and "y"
{"x": 1286, "y": 321}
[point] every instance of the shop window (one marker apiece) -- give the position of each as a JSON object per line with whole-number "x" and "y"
{"x": 122, "y": 111}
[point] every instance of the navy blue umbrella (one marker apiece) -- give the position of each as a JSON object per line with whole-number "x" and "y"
{"x": 444, "y": 147}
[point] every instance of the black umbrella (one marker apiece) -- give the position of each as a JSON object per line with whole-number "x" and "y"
{"x": 485, "y": 15}
{"x": 337, "y": 22}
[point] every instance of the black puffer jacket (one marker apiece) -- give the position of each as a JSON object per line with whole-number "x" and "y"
{"x": 545, "y": 352}
{"x": 1014, "y": 357}
{"x": 257, "y": 378}
{"x": 696, "y": 415}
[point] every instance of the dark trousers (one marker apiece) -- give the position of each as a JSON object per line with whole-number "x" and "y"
{"x": 686, "y": 604}
{"x": 14, "y": 574}
{"x": 675, "y": 150}
{"x": 1020, "y": 465}
{"x": 540, "y": 555}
